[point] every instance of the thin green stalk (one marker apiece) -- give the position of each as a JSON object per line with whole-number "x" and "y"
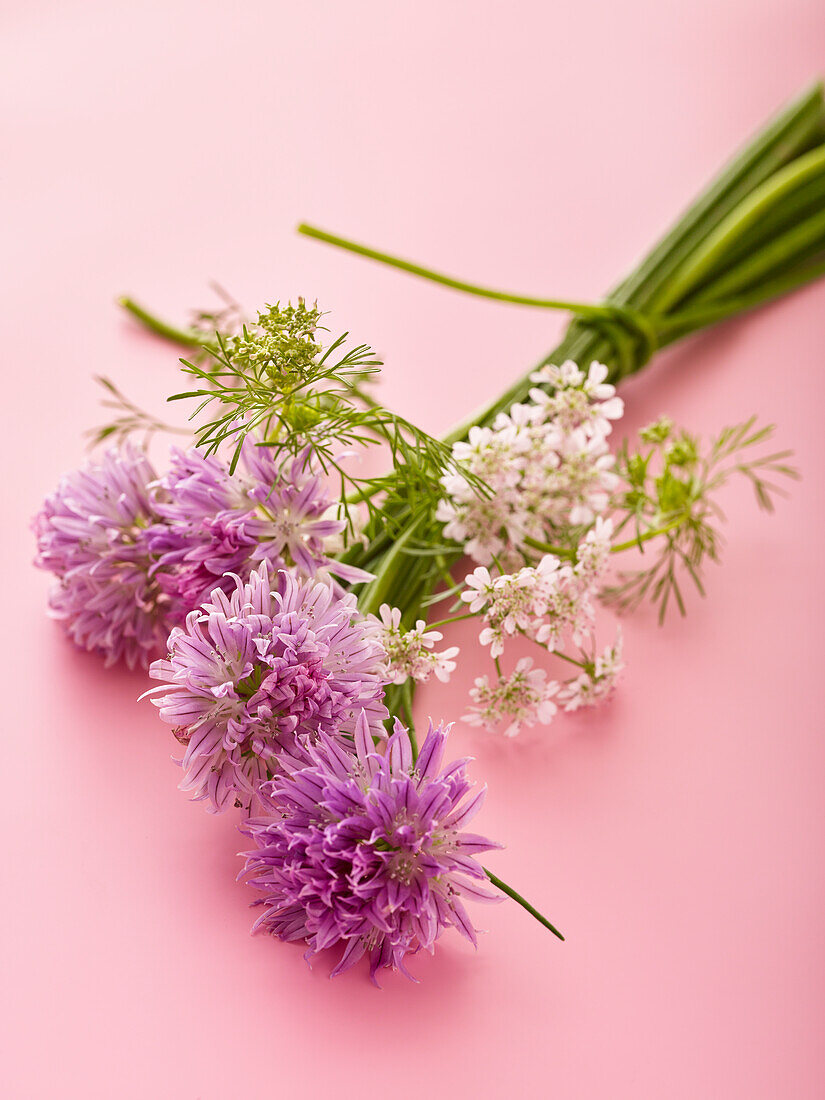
{"x": 407, "y": 689}
{"x": 645, "y": 536}
{"x": 626, "y": 326}
{"x": 453, "y": 619}
{"x": 187, "y": 338}
{"x": 548, "y": 548}
{"x": 511, "y": 893}
{"x": 570, "y": 660}
{"x": 362, "y": 494}
{"x": 585, "y": 309}
{"x": 376, "y": 591}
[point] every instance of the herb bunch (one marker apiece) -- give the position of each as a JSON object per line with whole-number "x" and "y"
{"x": 294, "y": 595}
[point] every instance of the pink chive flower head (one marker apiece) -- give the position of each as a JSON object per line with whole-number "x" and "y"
{"x": 252, "y": 671}
{"x": 366, "y": 851}
{"x": 216, "y": 523}
{"x": 93, "y": 533}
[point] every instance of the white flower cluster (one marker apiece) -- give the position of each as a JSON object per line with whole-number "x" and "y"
{"x": 546, "y": 463}
{"x": 548, "y": 470}
{"x": 410, "y": 652}
{"x": 594, "y": 685}
{"x": 523, "y": 698}
{"x": 527, "y": 697}
{"x": 593, "y": 553}
{"x": 548, "y": 603}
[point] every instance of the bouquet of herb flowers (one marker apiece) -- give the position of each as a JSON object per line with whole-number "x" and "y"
{"x": 288, "y": 604}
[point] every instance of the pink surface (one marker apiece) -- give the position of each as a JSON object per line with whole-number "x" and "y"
{"x": 677, "y": 835}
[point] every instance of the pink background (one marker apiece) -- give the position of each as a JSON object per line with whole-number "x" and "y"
{"x": 677, "y": 835}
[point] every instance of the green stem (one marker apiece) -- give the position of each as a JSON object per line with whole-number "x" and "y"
{"x": 645, "y": 536}
{"x": 548, "y": 548}
{"x": 552, "y": 653}
{"x": 571, "y": 660}
{"x": 407, "y": 689}
{"x": 511, "y": 893}
{"x": 453, "y": 619}
{"x": 584, "y": 309}
{"x": 375, "y": 593}
{"x": 187, "y": 338}
{"x": 361, "y": 495}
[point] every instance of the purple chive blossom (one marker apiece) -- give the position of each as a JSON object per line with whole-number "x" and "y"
{"x": 252, "y": 671}
{"x": 366, "y": 851}
{"x": 217, "y": 523}
{"x": 92, "y": 533}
